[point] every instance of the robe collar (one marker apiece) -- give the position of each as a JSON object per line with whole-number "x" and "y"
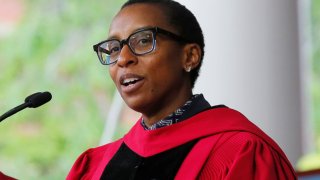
{"x": 217, "y": 119}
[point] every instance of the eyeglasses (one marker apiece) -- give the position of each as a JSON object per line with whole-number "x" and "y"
{"x": 140, "y": 43}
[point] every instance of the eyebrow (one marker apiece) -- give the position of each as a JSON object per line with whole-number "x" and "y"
{"x": 136, "y": 30}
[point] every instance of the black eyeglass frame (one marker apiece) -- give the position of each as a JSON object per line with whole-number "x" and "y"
{"x": 155, "y": 31}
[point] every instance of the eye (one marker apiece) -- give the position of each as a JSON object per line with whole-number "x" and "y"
{"x": 141, "y": 39}
{"x": 144, "y": 41}
{"x": 113, "y": 47}
{"x": 114, "y": 50}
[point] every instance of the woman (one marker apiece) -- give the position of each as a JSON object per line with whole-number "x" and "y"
{"x": 154, "y": 52}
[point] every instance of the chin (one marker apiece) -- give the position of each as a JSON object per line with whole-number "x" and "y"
{"x": 136, "y": 103}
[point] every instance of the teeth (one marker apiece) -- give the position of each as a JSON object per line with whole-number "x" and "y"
{"x": 129, "y": 80}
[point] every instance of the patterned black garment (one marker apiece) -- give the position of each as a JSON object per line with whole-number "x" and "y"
{"x": 178, "y": 115}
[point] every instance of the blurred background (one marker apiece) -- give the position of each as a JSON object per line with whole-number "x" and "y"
{"x": 47, "y": 46}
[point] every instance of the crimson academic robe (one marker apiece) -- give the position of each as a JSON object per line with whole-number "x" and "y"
{"x": 5, "y": 177}
{"x": 229, "y": 147}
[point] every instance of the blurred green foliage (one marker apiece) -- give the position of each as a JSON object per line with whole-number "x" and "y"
{"x": 315, "y": 91}
{"x": 51, "y": 50}
{"x": 312, "y": 160}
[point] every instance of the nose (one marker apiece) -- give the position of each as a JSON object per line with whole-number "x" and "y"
{"x": 126, "y": 57}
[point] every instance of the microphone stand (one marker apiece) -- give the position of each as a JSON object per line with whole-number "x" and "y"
{"x": 14, "y": 110}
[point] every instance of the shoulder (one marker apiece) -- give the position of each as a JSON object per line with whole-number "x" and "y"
{"x": 241, "y": 153}
{"x": 89, "y": 160}
{"x": 234, "y": 129}
{"x": 236, "y": 139}
{"x": 230, "y": 144}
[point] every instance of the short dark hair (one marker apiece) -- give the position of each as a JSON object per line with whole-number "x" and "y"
{"x": 185, "y": 23}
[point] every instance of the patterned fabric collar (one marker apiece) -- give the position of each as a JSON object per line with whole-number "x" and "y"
{"x": 197, "y": 102}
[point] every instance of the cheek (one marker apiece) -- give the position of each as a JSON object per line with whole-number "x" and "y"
{"x": 165, "y": 72}
{"x": 112, "y": 73}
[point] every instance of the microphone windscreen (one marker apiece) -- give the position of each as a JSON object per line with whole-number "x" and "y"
{"x": 38, "y": 99}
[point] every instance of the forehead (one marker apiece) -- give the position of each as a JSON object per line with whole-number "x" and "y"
{"x": 137, "y": 16}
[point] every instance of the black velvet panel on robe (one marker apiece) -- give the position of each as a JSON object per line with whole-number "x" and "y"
{"x": 127, "y": 165}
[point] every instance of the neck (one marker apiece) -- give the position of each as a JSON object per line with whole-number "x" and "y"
{"x": 167, "y": 108}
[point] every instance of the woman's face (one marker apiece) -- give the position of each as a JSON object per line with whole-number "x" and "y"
{"x": 159, "y": 82}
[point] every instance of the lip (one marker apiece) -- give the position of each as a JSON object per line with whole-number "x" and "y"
{"x": 131, "y": 87}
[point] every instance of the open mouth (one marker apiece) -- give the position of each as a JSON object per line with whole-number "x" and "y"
{"x": 129, "y": 79}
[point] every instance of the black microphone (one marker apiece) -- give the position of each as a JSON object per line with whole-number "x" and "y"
{"x": 33, "y": 101}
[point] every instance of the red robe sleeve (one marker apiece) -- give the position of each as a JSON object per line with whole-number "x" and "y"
{"x": 92, "y": 162}
{"x": 242, "y": 155}
{"x": 83, "y": 167}
{"x": 5, "y": 177}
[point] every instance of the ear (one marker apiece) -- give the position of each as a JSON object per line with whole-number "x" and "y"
{"x": 192, "y": 56}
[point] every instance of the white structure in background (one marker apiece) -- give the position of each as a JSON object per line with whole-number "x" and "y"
{"x": 113, "y": 118}
{"x": 251, "y": 64}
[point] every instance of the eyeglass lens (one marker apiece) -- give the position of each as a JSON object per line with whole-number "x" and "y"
{"x": 140, "y": 43}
